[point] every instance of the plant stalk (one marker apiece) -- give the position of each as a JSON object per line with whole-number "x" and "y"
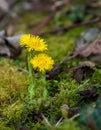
{"x": 32, "y": 78}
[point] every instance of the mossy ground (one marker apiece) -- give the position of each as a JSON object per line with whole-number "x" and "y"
{"x": 14, "y": 85}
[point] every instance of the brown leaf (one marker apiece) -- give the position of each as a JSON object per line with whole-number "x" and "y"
{"x": 83, "y": 70}
{"x": 88, "y": 94}
{"x": 88, "y": 49}
{"x": 87, "y": 63}
{"x": 96, "y": 59}
{"x": 78, "y": 74}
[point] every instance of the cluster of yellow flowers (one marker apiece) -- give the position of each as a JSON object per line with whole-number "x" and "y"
{"x": 42, "y": 61}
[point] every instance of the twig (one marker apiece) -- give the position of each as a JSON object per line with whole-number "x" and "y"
{"x": 75, "y": 116}
{"x": 43, "y": 23}
{"x": 48, "y": 18}
{"x": 65, "y": 28}
{"x": 46, "y": 120}
{"x": 59, "y": 121}
{"x": 91, "y": 122}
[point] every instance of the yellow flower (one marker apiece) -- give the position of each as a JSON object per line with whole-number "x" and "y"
{"x": 33, "y": 42}
{"x": 24, "y": 39}
{"x": 43, "y": 62}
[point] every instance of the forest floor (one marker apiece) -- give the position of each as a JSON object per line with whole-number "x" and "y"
{"x": 74, "y": 84}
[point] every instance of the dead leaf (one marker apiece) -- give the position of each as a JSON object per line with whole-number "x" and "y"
{"x": 88, "y": 94}
{"x": 2, "y": 33}
{"x": 83, "y": 70}
{"x": 9, "y": 46}
{"x": 4, "y": 50}
{"x": 96, "y": 59}
{"x": 4, "y": 5}
{"x": 93, "y": 48}
{"x": 88, "y": 49}
{"x": 87, "y": 63}
{"x": 78, "y": 74}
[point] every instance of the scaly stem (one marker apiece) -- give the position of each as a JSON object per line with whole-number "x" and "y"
{"x": 43, "y": 83}
{"x": 32, "y": 79}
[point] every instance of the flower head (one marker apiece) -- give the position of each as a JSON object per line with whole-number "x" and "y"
{"x": 24, "y": 39}
{"x": 33, "y": 42}
{"x": 43, "y": 62}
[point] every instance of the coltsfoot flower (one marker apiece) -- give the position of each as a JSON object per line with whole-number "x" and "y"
{"x": 24, "y": 39}
{"x": 43, "y": 62}
{"x": 33, "y": 42}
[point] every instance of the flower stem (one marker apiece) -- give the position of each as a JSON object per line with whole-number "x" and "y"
{"x": 32, "y": 79}
{"x": 43, "y": 83}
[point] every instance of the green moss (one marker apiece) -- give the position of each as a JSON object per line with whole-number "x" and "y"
{"x": 30, "y": 17}
{"x": 13, "y": 83}
{"x": 13, "y": 87}
{"x": 13, "y": 112}
{"x": 10, "y": 114}
{"x": 22, "y": 59}
{"x": 96, "y": 76}
{"x": 4, "y": 127}
{"x": 67, "y": 125}
{"x": 67, "y": 93}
